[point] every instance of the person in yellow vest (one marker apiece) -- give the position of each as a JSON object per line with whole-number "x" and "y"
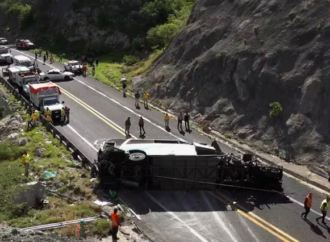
{"x": 145, "y": 99}
{"x": 324, "y": 209}
{"x": 62, "y": 115}
{"x": 34, "y": 117}
{"x": 38, "y": 114}
{"x": 167, "y": 120}
{"x": 47, "y": 111}
{"x": 49, "y": 118}
{"x": 26, "y": 162}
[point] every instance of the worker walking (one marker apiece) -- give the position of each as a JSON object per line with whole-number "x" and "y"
{"x": 145, "y": 99}
{"x": 307, "y": 205}
{"x": 26, "y": 162}
{"x": 137, "y": 98}
{"x": 115, "y": 224}
{"x": 166, "y": 120}
{"x": 324, "y": 209}
{"x": 45, "y": 58}
{"x": 127, "y": 125}
{"x": 180, "y": 119}
{"x": 67, "y": 114}
{"x": 141, "y": 125}
{"x": 186, "y": 121}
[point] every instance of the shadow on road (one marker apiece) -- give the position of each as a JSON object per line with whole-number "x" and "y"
{"x": 315, "y": 228}
{"x": 251, "y": 200}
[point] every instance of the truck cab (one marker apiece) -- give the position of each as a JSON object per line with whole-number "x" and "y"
{"x": 5, "y": 56}
{"x": 46, "y": 95}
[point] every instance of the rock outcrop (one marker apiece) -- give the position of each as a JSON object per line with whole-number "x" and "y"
{"x": 236, "y": 57}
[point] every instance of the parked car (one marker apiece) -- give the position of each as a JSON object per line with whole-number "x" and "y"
{"x": 3, "y": 41}
{"x": 24, "y": 44}
{"x": 56, "y": 75}
{"x": 73, "y": 66}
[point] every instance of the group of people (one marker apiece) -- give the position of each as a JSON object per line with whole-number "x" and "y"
{"x": 181, "y": 118}
{"x": 323, "y": 207}
{"x": 145, "y": 99}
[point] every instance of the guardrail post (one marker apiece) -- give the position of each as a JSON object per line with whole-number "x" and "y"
{"x": 75, "y": 154}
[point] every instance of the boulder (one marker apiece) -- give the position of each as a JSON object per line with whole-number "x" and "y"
{"x": 40, "y": 151}
{"x": 23, "y": 142}
{"x": 32, "y": 196}
{"x": 13, "y": 136}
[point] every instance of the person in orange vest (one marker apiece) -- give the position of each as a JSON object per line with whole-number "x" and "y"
{"x": 115, "y": 224}
{"x": 307, "y": 205}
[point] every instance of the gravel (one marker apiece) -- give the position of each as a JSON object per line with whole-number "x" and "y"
{"x": 8, "y": 234}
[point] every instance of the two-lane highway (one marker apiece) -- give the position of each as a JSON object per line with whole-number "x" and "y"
{"x": 99, "y": 111}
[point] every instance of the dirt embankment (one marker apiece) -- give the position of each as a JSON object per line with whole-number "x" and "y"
{"x": 236, "y": 57}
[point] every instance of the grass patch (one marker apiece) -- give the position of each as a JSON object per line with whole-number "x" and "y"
{"x": 228, "y": 135}
{"x": 101, "y": 227}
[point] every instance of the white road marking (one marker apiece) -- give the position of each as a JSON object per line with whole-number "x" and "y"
{"x": 111, "y": 99}
{"x": 177, "y": 218}
{"x": 243, "y": 220}
{"x": 218, "y": 219}
{"x": 82, "y": 138}
{"x": 301, "y": 204}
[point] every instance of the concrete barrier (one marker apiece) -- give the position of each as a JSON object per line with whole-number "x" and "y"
{"x": 75, "y": 152}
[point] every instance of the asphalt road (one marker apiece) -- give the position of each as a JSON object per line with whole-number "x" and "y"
{"x": 99, "y": 111}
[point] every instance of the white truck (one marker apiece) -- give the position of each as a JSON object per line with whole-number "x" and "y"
{"x": 5, "y": 56}
{"x": 22, "y": 77}
{"x": 73, "y": 66}
{"x": 46, "y": 95}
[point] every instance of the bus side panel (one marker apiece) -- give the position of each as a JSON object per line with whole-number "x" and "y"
{"x": 184, "y": 172}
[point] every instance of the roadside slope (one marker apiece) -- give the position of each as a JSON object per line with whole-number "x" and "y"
{"x": 235, "y": 58}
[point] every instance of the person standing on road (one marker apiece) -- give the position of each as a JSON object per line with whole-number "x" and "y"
{"x": 40, "y": 52}
{"x": 145, "y": 99}
{"x": 324, "y": 209}
{"x": 127, "y": 125}
{"x": 67, "y": 114}
{"x": 186, "y": 121}
{"x": 167, "y": 120}
{"x": 61, "y": 58}
{"x": 51, "y": 60}
{"x": 141, "y": 125}
{"x": 180, "y": 119}
{"x": 85, "y": 70}
{"x": 115, "y": 224}
{"x": 26, "y": 162}
{"x": 93, "y": 69}
{"x": 35, "y": 55}
{"x": 307, "y": 205}
{"x": 137, "y": 98}
{"x": 62, "y": 115}
{"x": 38, "y": 114}
{"x": 97, "y": 62}
{"x": 45, "y": 58}
{"x": 46, "y": 54}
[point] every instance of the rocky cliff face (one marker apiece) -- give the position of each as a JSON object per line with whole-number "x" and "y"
{"x": 236, "y": 57}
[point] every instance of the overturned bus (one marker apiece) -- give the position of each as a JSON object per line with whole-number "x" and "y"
{"x": 178, "y": 165}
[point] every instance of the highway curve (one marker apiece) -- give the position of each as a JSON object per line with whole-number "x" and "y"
{"x": 99, "y": 111}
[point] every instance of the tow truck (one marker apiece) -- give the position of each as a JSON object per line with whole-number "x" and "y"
{"x": 179, "y": 165}
{"x": 46, "y": 95}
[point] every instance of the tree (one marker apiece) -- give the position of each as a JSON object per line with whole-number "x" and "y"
{"x": 167, "y": 32}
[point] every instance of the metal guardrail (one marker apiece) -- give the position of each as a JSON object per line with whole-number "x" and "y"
{"x": 75, "y": 152}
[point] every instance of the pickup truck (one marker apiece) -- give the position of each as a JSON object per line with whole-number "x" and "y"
{"x": 22, "y": 77}
{"x": 73, "y": 66}
{"x": 46, "y": 95}
{"x": 5, "y": 56}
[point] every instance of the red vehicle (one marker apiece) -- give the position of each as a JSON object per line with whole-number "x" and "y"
{"x": 24, "y": 44}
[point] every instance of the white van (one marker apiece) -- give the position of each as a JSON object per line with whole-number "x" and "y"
{"x": 21, "y": 60}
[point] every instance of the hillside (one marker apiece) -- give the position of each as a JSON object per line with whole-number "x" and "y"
{"x": 96, "y": 26}
{"x": 235, "y": 58}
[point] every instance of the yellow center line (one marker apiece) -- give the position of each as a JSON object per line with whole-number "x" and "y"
{"x": 257, "y": 220}
{"x": 96, "y": 113}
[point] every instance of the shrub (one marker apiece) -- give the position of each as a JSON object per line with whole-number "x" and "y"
{"x": 101, "y": 227}
{"x": 228, "y": 135}
{"x": 10, "y": 152}
{"x": 276, "y": 109}
{"x": 130, "y": 59}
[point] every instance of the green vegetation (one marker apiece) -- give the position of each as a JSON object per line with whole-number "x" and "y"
{"x": 276, "y": 109}
{"x": 23, "y": 11}
{"x": 101, "y": 227}
{"x": 228, "y": 135}
{"x": 2, "y": 110}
